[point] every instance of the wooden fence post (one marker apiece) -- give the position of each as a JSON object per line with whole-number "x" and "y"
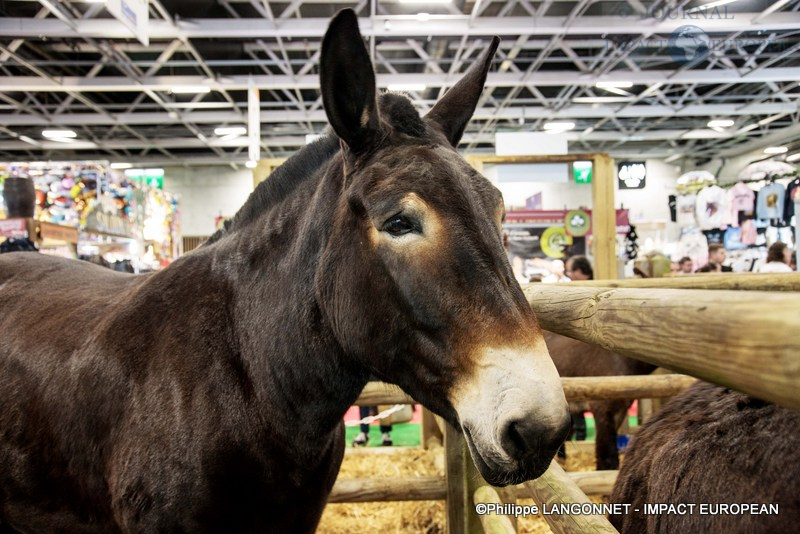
{"x": 462, "y": 481}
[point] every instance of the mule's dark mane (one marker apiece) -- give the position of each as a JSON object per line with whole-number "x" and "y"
{"x": 281, "y": 183}
{"x": 396, "y": 109}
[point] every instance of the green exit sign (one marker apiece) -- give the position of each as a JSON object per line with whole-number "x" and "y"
{"x": 150, "y": 177}
{"x": 582, "y": 171}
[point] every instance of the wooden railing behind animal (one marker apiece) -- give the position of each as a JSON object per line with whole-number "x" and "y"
{"x": 713, "y": 334}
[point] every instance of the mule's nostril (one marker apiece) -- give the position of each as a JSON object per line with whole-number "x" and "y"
{"x": 515, "y": 440}
{"x": 519, "y": 437}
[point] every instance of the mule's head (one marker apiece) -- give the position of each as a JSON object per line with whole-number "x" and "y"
{"x": 415, "y": 280}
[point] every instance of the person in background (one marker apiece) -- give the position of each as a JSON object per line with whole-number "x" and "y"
{"x": 793, "y": 261}
{"x": 363, "y": 437}
{"x": 579, "y": 268}
{"x": 778, "y": 257}
{"x": 716, "y": 254}
{"x": 556, "y": 273}
{"x": 710, "y": 267}
{"x": 685, "y": 264}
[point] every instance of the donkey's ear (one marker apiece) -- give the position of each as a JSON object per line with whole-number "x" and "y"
{"x": 348, "y": 82}
{"x": 454, "y": 110}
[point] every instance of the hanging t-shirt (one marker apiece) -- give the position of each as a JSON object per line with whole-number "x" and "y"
{"x": 740, "y": 199}
{"x": 715, "y": 235}
{"x": 749, "y": 234}
{"x": 712, "y": 207}
{"x": 733, "y": 238}
{"x": 792, "y": 193}
{"x": 686, "y": 206}
{"x": 770, "y": 202}
{"x": 694, "y": 245}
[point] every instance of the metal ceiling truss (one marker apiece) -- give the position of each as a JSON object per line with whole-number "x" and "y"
{"x": 68, "y": 64}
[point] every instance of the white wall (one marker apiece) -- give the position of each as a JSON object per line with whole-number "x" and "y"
{"x": 648, "y": 207}
{"x": 645, "y": 205}
{"x": 206, "y": 193}
{"x": 555, "y": 196}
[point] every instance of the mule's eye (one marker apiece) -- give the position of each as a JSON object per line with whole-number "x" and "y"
{"x": 400, "y": 225}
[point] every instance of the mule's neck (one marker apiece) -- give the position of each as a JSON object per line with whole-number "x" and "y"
{"x": 302, "y": 375}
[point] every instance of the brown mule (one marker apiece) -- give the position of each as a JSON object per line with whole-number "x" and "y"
{"x": 209, "y": 396}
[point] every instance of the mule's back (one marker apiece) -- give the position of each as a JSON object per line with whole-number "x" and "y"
{"x": 712, "y": 446}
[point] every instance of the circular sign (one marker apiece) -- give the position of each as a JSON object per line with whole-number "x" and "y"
{"x": 577, "y": 223}
{"x": 688, "y": 45}
{"x": 554, "y": 239}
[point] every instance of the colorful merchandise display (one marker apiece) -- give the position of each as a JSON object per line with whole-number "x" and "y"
{"x": 111, "y": 211}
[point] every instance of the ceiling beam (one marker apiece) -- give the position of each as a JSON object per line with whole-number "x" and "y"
{"x": 318, "y": 116}
{"x": 299, "y": 140}
{"x": 496, "y": 79}
{"x": 399, "y": 26}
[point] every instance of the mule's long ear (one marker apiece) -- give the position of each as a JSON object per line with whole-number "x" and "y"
{"x": 454, "y": 110}
{"x": 348, "y": 82}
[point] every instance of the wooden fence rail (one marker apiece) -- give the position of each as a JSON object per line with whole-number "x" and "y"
{"x": 555, "y": 487}
{"x": 738, "y": 281}
{"x": 575, "y": 389}
{"x": 435, "y": 488}
{"x": 493, "y": 523}
{"x": 748, "y": 344}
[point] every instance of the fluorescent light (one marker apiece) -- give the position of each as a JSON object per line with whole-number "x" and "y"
{"x": 793, "y": 157}
{"x": 673, "y": 158}
{"x": 58, "y": 134}
{"x": 250, "y": 164}
{"x": 614, "y": 85}
{"x": 190, "y": 89}
{"x": 425, "y": 1}
{"x": 407, "y": 87}
{"x": 602, "y": 99}
{"x": 710, "y": 5}
{"x": 720, "y": 123}
{"x": 230, "y": 130}
{"x": 559, "y": 126}
{"x": 121, "y": 165}
{"x": 775, "y": 150}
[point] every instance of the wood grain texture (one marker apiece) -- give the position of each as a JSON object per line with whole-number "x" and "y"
{"x": 740, "y": 281}
{"x": 746, "y": 341}
{"x": 604, "y": 218}
{"x": 389, "y": 489}
{"x": 555, "y": 487}
{"x": 575, "y": 389}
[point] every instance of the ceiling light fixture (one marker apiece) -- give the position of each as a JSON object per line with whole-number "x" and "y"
{"x": 250, "y": 164}
{"x": 58, "y": 134}
{"x": 425, "y": 1}
{"x": 406, "y": 87}
{"x": 793, "y": 157}
{"x": 614, "y": 85}
{"x": 720, "y": 123}
{"x": 775, "y": 150}
{"x": 190, "y": 89}
{"x": 559, "y": 126}
{"x": 121, "y": 166}
{"x": 230, "y": 130}
{"x": 708, "y": 6}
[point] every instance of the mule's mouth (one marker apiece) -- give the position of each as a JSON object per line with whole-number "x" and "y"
{"x": 505, "y": 473}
